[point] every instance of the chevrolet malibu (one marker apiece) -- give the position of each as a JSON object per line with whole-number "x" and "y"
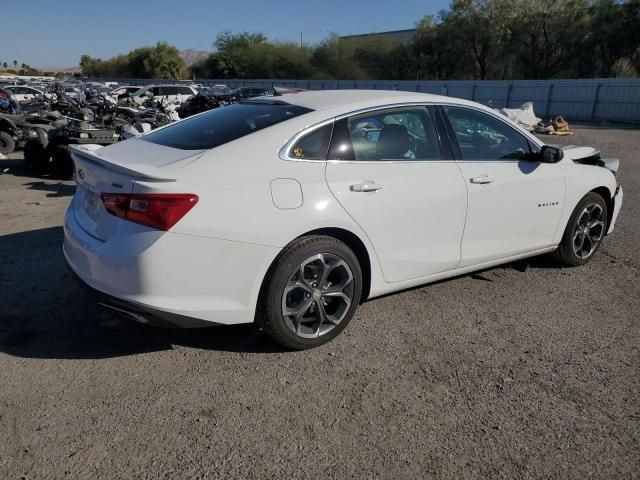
{"x": 290, "y": 211}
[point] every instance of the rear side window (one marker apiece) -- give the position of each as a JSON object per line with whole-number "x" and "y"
{"x": 314, "y": 145}
{"x": 404, "y": 134}
{"x": 222, "y": 125}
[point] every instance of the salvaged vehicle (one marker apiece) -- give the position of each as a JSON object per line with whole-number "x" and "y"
{"x": 51, "y": 153}
{"x": 24, "y": 93}
{"x": 293, "y": 210}
{"x": 17, "y": 127}
{"x": 197, "y": 104}
{"x": 169, "y": 93}
{"x": 244, "y": 93}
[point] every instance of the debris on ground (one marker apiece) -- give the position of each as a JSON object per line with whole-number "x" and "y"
{"x": 526, "y": 118}
{"x": 523, "y": 116}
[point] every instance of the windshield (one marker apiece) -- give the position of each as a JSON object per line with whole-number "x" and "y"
{"x": 222, "y": 125}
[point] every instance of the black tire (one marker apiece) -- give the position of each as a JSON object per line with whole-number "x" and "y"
{"x": 270, "y": 312}
{"x": 566, "y": 255}
{"x": 7, "y": 144}
{"x": 35, "y": 157}
{"x": 62, "y": 162}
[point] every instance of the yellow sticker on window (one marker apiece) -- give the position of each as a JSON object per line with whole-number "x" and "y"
{"x": 298, "y": 152}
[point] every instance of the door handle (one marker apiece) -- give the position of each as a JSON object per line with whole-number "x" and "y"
{"x": 366, "y": 186}
{"x": 481, "y": 179}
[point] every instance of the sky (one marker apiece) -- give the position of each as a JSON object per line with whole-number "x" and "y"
{"x": 55, "y": 33}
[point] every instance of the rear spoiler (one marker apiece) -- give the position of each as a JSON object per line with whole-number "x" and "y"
{"x": 139, "y": 172}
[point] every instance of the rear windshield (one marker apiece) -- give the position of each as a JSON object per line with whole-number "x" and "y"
{"x": 225, "y": 124}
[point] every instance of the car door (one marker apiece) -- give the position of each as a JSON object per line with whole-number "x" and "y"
{"x": 18, "y": 93}
{"x": 391, "y": 173}
{"x": 30, "y": 93}
{"x": 515, "y": 201}
{"x": 187, "y": 92}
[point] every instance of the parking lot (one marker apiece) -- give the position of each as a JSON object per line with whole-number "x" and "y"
{"x": 521, "y": 371}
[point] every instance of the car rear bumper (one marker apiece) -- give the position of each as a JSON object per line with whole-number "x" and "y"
{"x": 138, "y": 312}
{"x": 169, "y": 278}
{"x": 617, "y": 204}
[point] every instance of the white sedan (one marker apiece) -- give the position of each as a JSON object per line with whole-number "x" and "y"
{"x": 291, "y": 211}
{"x": 23, "y": 93}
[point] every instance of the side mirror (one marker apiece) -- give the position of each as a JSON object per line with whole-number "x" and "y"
{"x": 549, "y": 154}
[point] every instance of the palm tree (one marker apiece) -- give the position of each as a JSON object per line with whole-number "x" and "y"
{"x": 15, "y": 64}
{"x": 5, "y": 65}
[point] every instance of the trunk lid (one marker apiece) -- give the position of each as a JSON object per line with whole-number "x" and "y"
{"x": 104, "y": 171}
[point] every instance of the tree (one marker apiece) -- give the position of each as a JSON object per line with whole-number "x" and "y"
{"x": 15, "y": 63}
{"x": 613, "y": 33}
{"x": 159, "y": 61}
{"x": 480, "y": 29}
{"x": 550, "y": 36}
{"x": 233, "y": 51}
{"x": 5, "y": 65}
{"x": 164, "y": 61}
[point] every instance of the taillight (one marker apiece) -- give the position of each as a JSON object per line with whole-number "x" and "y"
{"x": 157, "y": 210}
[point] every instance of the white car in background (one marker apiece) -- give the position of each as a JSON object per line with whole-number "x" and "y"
{"x": 23, "y": 93}
{"x": 168, "y": 93}
{"x": 291, "y": 211}
{"x": 125, "y": 89}
{"x": 73, "y": 92}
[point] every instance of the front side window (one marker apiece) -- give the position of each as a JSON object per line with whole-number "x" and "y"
{"x": 223, "y": 125}
{"x": 398, "y": 134}
{"x": 483, "y": 137}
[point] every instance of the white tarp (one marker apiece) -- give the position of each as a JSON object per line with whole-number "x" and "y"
{"x": 523, "y": 116}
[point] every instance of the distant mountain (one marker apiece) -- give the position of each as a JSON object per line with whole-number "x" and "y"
{"x": 192, "y": 56}
{"x": 60, "y": 69}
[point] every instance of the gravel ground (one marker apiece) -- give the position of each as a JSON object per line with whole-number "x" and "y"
{"x": 511, "y": 373}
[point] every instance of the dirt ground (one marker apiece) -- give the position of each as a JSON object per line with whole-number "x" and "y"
{"x": 511, "y": 373}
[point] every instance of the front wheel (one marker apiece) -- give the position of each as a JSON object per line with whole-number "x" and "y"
{"x": 584, "y": 232}
{"x": 312, "y": 292}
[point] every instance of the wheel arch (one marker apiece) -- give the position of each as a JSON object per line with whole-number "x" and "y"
{"x": 605, "y": 193}
{"x": 358, "y": 247}
{"x": 348, "y": 238}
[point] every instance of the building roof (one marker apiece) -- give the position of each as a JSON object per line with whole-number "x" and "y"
{"x": 408, "y": 31}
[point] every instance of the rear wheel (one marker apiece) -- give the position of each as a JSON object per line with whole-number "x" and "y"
{"x": 584, "y": 233}
{"x": 7, "y": 144}
{"x": 312, "y": 292}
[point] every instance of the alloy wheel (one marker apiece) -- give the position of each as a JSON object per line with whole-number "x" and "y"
{"x": 318, "y": 295}
{"x": 588, "y": 231}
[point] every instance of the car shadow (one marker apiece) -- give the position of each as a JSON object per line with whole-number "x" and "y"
{"x": 45, "y": 314}
{"x": 17, "y": 168}
{"x": 58, "y": 189}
